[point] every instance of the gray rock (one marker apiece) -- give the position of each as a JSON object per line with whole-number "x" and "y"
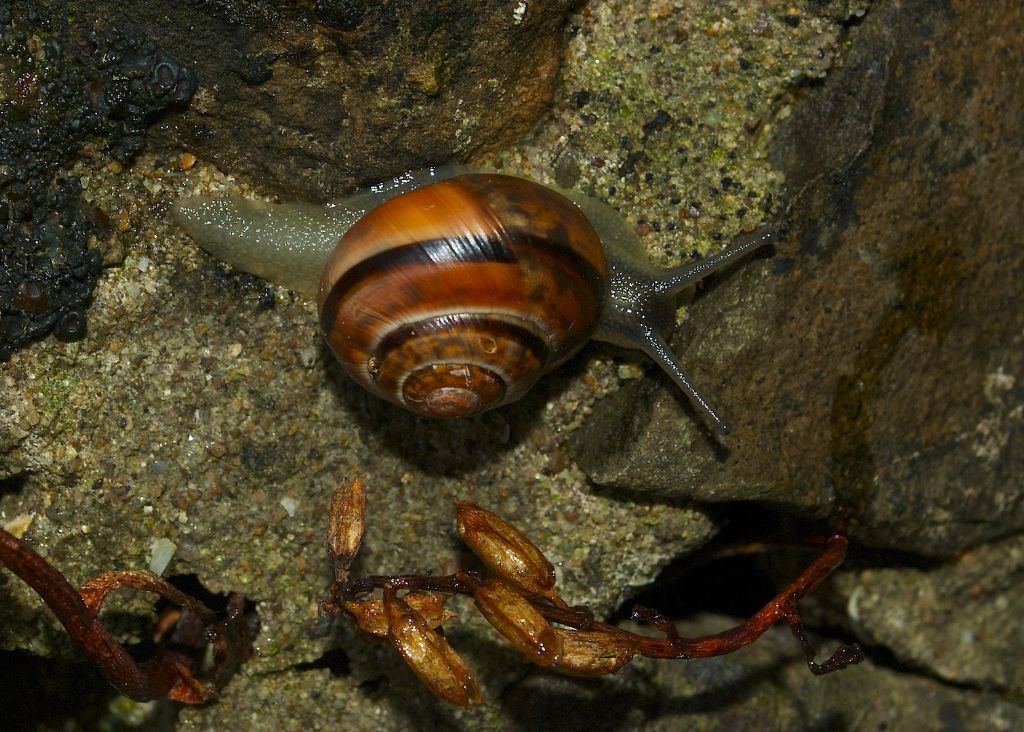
{"x": 875, "y": 361}
{"x": 959, "y": 621}
{"x": 767, "y": 687}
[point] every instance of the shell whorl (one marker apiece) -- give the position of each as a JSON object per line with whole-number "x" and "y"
{"x": 454, "y": 298}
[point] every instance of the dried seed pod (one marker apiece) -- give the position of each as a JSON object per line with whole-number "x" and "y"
{"x": 505, "y": 550}
{"x": 428, "y": 653}
{"x": 514, "y": 617}
{"x": 345, "y": 523}
{"x": 593, "y": 652}
{"x": 370, "y": 616}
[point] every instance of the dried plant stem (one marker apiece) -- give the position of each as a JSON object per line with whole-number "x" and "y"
{"x": 521, "y": 603}
{"x": 166, "y": 676}
{"x": 781, "y": 608}
{"x": 150, "y": 680}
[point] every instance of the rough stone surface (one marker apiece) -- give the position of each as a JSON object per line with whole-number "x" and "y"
{"x": 64, "y": 91}
{"x": 307, "y": 99}
{"x": 958, "y": 620}
{"x": 768, "y": 687}
{"x": 877, "y": 355}
{"x": 203, "y": 409}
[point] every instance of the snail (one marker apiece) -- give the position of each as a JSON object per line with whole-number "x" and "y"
{"x": 450, "y": 292}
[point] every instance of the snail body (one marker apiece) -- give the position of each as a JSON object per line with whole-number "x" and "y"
{"x": 451, "y": 292}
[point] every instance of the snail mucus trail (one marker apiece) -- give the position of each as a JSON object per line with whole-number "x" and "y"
{"x": 449, "y": 292}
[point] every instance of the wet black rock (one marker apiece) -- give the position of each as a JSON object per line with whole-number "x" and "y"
{"x": 47, "y": 272}
{"x": 60, "y": 88}
{"x": 136, "y": 79}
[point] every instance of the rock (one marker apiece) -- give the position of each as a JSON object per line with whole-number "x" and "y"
{"x": 187, "y": 413}
{"x": 768, "y": 687}
{"x": 960, "y": 621}
{"x": 309, "y": 99}
{"x": 875, "y": 361}
{"x": 61, "y": 91}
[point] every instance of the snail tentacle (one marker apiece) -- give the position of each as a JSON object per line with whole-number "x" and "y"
{"x": 659, "y": 351}
{"x": 640, "y": 308}
{"x": 675, "y": 280}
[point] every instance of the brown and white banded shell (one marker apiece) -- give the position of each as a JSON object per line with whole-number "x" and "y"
{"x": 453, "y": 298}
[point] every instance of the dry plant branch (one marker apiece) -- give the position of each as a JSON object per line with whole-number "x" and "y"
{"x": 168, "y": 675}
{"x": 521, "y": 603}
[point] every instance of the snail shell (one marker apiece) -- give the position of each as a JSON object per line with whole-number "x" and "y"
{"x": 524, "y": 280}
{"x": 451, "y": 292}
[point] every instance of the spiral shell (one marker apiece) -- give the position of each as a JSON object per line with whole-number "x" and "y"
{"x": 453, "y": 298}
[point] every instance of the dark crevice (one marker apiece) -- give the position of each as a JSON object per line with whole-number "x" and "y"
{"x": 336, "y": 661}
{"x": 724, "y": 579}
{"x": 216, "y": 601}
{"x": 12, "y": 485}
{"x": 50, "y": 694}
{"x": 757, "y": 550}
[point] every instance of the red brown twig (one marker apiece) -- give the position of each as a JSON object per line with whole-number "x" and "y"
{"x": 169, "y": 675}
